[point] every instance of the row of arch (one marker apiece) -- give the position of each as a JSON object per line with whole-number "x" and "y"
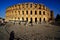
{"x": 31, "y": 19}
{"x": 22, "y": 6}
{"x": 28, "y": 5}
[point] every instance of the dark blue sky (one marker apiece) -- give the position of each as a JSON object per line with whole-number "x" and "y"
{"x": 51, "y": 4}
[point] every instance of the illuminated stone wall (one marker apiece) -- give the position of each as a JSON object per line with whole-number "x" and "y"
{"x": 28, "y": 12}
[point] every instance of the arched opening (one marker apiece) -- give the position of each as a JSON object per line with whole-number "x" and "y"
{"x": 44, "y": 20}
{"x": 18, "y": 18}
{"x": 31, "y": 12}
{"x": 22, "y": 19}
{"x": 35, "y": 12}
{"x": 40, "y": 19}
{"x": 35, "y": 19}
{"x": 43, "y": 12}
{"x": 30, "y": 20}
{"x": 27, "y": 19}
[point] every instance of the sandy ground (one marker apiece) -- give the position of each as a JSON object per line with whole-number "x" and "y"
{"x": 28, "y": 32}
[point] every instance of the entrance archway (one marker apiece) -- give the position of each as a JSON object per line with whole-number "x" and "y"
{"x": 30, "y": 20}
{"x": 36, "y": 20}
{"x": 40, "y": 19}
{"x": 44, "y": 20}
{"x": 27, "y": 19}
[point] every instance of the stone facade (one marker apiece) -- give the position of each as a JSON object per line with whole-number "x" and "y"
{"x": 28, "y": 12}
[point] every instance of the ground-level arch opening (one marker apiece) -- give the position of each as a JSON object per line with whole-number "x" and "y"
{"x": 36, "y": 20}
{"x": 27, "y": 19}
{"x": 31, "y": 20}
{"x": 39, "y": 19}
{"x": 44, "y": 20}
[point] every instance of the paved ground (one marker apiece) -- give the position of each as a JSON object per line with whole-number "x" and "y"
{"x": 28, "y": 32}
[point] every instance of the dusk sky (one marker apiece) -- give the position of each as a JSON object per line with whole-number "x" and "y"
{"x": 51, "y": 4}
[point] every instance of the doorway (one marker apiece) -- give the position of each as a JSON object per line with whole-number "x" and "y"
{"x": 36, "y": 20}
{"x": 40, "y": 19}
